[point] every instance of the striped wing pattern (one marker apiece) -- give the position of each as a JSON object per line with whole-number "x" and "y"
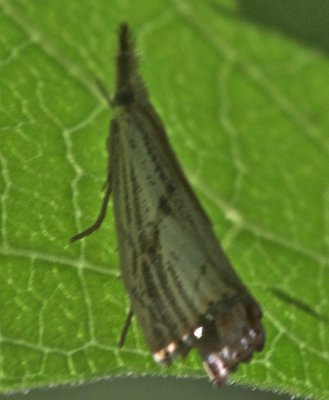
{"x": 181, "y": 285}
{"x": 174, "y": 270}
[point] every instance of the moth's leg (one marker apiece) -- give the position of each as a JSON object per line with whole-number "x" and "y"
{"x": 108, "y": 188}
{"x": 99, "y": 219}
{"x": 125, "y": 328}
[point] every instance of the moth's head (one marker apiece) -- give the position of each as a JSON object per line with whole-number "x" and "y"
{"x": 124, "y": 97}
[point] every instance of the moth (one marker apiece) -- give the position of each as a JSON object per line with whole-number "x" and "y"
{"x": 182, "y": 287}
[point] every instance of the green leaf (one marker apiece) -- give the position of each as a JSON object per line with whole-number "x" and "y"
{"x": 245, "y": 104}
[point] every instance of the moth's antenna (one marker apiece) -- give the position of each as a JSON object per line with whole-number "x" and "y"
{"x": 125, "y": 328}
{"x": 103, "y": 91}
{"x": 100, "y": 217}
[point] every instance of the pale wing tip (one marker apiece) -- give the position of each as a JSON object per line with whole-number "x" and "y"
{"x": 224, "y": 339}
{"x": 231, "y": 338}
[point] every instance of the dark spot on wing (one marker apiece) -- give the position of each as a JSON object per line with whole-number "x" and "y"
{"x": 163, "y": 206}
{"x": 170, "y": 188}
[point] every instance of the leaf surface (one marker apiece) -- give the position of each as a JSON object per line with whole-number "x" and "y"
{"x": 245, "y": 108}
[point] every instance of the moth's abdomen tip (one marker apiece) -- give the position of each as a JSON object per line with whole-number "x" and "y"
{"x": 231, "y": 338}
{"x": 216, "y": 370}
{"x": 224, "y": 339}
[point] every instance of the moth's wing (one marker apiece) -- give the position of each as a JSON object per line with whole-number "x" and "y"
{"x": 172, "y": 265}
